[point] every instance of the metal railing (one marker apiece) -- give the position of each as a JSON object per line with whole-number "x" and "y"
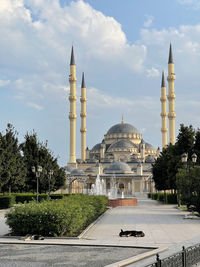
{"x": 185, "y": 258}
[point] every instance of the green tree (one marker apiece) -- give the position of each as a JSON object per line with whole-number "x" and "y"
{"x": 185, "y": 140}
{"x": 188, "y": 184}
{"x": 37, "y": 154}
{"x": 167, "y": 164}
{"x": 12, "y": 167}
{"x": 197, "y": 145}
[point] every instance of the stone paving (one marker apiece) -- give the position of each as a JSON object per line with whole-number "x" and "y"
{"x": 4, "y": 229}
{"x": 163, "y": 225}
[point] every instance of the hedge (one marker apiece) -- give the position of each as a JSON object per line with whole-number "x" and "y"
{"x": 6, "y": 202}
{"x": 63, "y": 217}
{"x": 168, "y": 198}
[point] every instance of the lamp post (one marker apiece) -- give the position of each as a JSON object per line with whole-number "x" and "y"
{"x": 184, "y": 158}
{"x": 189, "y": 164}
{"x": 50, "y": 175}
{"x": 37, "y": 170}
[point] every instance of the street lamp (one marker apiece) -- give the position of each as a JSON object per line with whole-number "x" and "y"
{"x": 189, "y": 164}
{"x": 184, "y": 158}
{"x": 37, "y": 172}
{"x": 50, "y": 175}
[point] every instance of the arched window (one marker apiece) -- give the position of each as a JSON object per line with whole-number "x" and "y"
{"x": 121, "y": 186}
{"x": 108, "y": 185}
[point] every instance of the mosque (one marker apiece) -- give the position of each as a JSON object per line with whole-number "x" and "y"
{"x": 121, "y": 164}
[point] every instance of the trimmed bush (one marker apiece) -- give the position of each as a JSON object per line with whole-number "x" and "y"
{"x": 56, "y": 196}
{"x": 7, "y": 201}
{"x": 172, "y": 198}
{"x": 27, "y": 197}
{"x": 168, "y": 198}
{"x": 67, "y": 216}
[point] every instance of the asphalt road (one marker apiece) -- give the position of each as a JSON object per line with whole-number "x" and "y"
{"x": 72, "y": 256}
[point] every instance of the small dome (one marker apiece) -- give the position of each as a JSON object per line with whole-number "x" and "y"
{"x": 77, "y": 172}
{"x": 134, "y": 159}
{"x": 150, "y": 159}
{"x": 68, "y": 168}
{"x": 97, "y": 147}
{"x": 123, "y": 144}
{"x": 91, "y": 160}
{"x": 90, "y": 170}
{"x": 122, "y": 128}
{"x": 118, "y": 167}
{"x": 149, "y": 146}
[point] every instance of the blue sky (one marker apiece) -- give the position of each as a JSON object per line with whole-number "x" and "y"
{"x": 122, "y": 46}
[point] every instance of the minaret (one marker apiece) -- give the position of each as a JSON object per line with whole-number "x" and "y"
{"x": 122, "y": 122}
{"x": 163, "y": 114}
{"x": 83, "y": 118}
{"x": 171, "y": 97}
{"x": 72, "y": 113}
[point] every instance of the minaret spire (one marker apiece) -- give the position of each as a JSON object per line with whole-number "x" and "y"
{"x": 171, "y": 97}
{"x": 170, "y": 55}
{"x": 72, "y": 113}
{"x": 83, "y": 118}
{"x": 72, "y": 61}
{"x": 122, "y": 119}
{"x": 163, "y": 114}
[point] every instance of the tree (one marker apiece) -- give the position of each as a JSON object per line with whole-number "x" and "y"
{"x": 37, "y": 154}
{"x": 197, "y": 145}
{"x": 185, "y": 140}
{"x": 167, "y": 164}
{"x": 188, "y": 184}
{"x": 165, "y": 169}
{"x": 12, "y": 167}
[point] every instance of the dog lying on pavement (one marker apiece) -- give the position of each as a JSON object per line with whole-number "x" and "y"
{"x": 131, "y": 233}
{"x": 32, "y": 237}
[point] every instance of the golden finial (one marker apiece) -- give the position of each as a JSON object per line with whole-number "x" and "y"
{"x": 122, "y": 119}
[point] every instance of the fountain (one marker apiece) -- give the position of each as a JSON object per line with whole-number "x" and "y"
{"x": 99, "y": 187}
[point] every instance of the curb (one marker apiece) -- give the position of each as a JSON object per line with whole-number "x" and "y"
{"x": 137, "y": 258}
{"x": 92, "y": 224}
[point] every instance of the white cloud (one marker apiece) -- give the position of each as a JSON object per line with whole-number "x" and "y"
{"x": 42, "y": 33}
{"x": 149, "y": 21}
{"x": 193, "y": 3}
{"x": 98, "y": 99}
{"x": 34, "y": 105}
{"x": 4, "y": 83}
{"x": 153, "y": 72}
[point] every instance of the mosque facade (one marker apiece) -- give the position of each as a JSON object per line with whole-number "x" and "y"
{"x": 121, "y": 164}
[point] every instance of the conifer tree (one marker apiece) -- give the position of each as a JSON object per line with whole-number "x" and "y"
{"x": 12, "y": 167}
{"x": 37, "y": 154}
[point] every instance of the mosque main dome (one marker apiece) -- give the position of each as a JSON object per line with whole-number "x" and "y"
{"x": 122, "y": 128}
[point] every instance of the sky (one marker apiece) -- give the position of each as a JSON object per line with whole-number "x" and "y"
{"x": 122, "y": 47}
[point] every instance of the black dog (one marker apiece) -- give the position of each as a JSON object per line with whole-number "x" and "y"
{"x": 131, "y": 233}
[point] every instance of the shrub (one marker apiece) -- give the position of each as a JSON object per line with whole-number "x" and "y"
{"x": 56, "y": 196}
{"x": 7, "y": 201}
{"x": 27, "y": 197}
{"x": 67, "y": 216}
{"x": 161, "y": 197}
{"x": 171, "y": 198}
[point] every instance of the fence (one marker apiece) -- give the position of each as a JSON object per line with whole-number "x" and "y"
{"x": 185, "y": 258}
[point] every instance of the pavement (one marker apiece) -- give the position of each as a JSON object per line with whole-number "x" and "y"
{"x": 164, "y": 226}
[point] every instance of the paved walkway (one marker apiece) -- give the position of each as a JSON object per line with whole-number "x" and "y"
{"x": 163, "y": 225}
{"x": 4, "y": 229}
